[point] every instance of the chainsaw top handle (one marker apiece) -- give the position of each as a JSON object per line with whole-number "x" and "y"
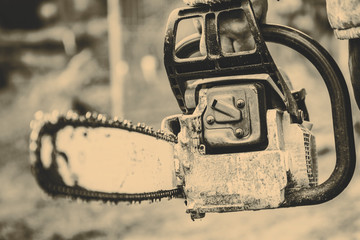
{"x": 217, "y": 64}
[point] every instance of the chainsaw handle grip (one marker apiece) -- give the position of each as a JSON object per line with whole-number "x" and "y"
{"x": 341, "y": 113}
{"x": 216, "y": 63}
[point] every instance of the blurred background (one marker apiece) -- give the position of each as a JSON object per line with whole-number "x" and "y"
{"x": 106, "y": 56}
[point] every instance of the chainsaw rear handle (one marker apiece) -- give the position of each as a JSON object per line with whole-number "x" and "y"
{"x": 341, "y": 113}
{"x": 340, "y": 106}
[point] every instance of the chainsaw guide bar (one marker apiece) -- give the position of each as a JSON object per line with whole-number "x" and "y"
{"x": 46, "y": 169}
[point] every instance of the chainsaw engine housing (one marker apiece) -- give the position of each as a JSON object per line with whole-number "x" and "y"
{"x": 234, "y": 154}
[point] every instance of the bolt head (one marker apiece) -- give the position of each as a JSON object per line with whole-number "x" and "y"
{"x": 210, "y": 119}
{"x": 202, "y": 149}
{"x": 239, "y": 133}
{"x": 240, "y": 103}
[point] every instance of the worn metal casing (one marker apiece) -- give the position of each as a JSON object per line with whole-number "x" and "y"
{"x": 244, "y": 180}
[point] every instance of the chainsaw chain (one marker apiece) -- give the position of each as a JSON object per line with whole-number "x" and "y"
{"x": 50, "y": 124}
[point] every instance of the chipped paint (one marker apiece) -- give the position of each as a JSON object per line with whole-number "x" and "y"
{"x": 246, "y": 180}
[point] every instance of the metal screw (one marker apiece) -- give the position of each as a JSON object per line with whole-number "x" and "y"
{"x": 239, "y": 133}
{"x": 210, "y": 119}
{"x": 202, "y": 149}
{"x": 240, "y": 103}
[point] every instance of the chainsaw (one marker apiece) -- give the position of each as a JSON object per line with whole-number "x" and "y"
{"x": 243, "y": 140}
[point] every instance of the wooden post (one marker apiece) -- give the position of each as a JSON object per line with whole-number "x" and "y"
{"x": 118, "y": 67}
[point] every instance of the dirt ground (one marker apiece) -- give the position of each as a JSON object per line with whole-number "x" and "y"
{"x": 27, "y": 213}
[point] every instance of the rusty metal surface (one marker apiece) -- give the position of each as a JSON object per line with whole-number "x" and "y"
{"x": 235, "y": 182}
{"x": 240, "y": 181}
